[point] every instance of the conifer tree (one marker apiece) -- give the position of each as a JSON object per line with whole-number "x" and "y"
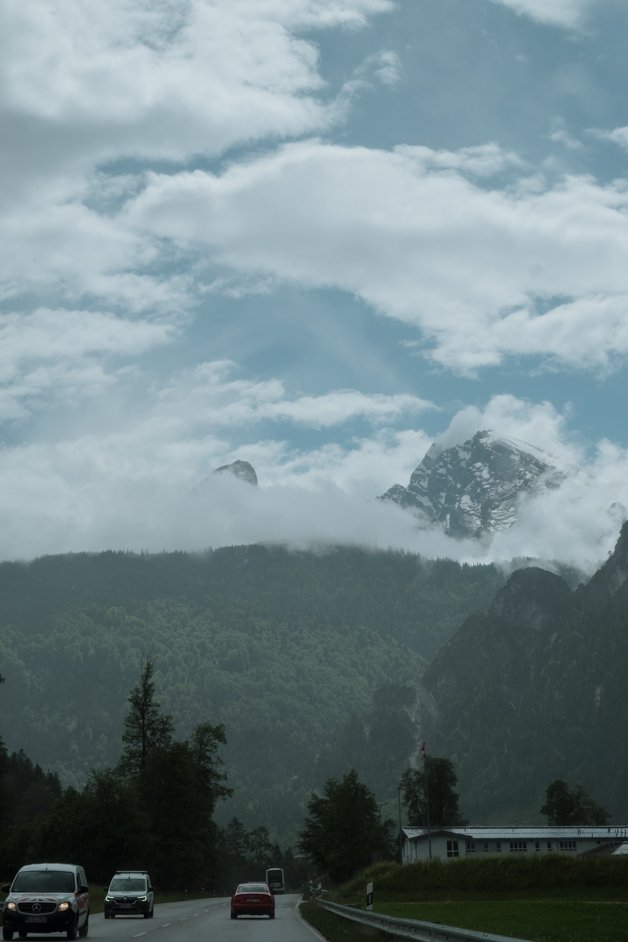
{"x": 145, "y": 727}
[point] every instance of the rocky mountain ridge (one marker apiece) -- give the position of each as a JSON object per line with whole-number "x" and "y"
{"x": 534, "y": 690}
{"x": 475, "y": 488}
{"x": 242, "y": 470}
{"x": 471, "y": 489}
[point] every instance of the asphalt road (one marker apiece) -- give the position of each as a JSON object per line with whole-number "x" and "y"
{"x": 209, "y": 920}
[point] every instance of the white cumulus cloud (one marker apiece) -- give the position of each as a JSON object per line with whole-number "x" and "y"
{"x": 570, "y": 14}
{"x": 483, "y": 272}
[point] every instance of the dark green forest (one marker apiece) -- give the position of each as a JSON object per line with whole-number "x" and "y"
{"x": 154, "y": 810}
{"x": 310, "y": 662}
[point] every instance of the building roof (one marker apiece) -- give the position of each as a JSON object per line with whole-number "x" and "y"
{"x": 607, "y": 833}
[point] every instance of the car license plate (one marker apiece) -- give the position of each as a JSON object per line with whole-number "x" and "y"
{"x": 252, "y": 899}
{"x": 37, "y": 919}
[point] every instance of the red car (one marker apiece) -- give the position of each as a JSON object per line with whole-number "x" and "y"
{"x": 253, "y": 899}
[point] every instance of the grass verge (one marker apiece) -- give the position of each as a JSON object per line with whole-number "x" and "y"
{"x": 540, "y": 900}
{"x": 539, "y": 920}
{"x": 336, "y": 929}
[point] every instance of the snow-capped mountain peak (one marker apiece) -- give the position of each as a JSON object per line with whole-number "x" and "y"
{"x": 473, "y": 488}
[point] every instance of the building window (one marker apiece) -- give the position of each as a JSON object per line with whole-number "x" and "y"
{"x": 518, "y": 847}
{"x": 537, "y": 846}
{"x": 486, "y": 846}
{"x": 567, "y": 846}
{"x": 549, "y": 845}
{"x": 498, "y": 846}
{"x": 452, "y": 849}
{"x": 470, "y": 847}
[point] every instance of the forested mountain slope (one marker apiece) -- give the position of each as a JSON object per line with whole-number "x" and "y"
{"x": 306, "y": 658}
{"x": 534, "y": 690}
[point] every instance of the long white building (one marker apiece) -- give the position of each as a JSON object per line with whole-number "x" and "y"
{"x": 453, "y": 843}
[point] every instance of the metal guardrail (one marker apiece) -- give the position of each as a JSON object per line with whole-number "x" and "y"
{"x": 411, "y": 929}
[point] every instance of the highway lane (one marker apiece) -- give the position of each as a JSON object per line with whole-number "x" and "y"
{"x": 207, "y": 919}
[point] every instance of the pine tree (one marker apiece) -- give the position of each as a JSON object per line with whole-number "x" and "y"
{"x": 145, "y": 727}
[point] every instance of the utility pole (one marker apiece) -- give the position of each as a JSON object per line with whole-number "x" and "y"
{"x": 427, "y": 798}
{"x": 400, "y": 838}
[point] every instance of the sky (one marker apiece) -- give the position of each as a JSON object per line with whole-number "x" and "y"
{"x": 317, "y": 236}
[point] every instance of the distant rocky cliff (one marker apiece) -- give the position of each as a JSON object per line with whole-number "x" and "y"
{"x": 474, "y": 488}
{"x": 240, "y": 469}
{"x": 534, "y": 690}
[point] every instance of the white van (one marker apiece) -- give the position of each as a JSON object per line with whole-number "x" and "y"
{"x": 44, "y": 898}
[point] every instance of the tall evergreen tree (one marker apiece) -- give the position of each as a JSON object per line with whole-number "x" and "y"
{"x": 429, "y": 794}
{"x": 178, "y": 784}
{"x": 233, "y": 840}
{"x": 4, "y": 804}
{"x": 30, "y": 792}
{"x": 117, "y": 830}
{"x": 260, "y": 849}
{"x": 3, "y": 760}
{"x": 145, "y": 727}
{"x": 205, "y": 743}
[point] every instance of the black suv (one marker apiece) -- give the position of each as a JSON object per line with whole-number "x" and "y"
{"x": 45, "y": 898}
{"x": 130, "y": 893}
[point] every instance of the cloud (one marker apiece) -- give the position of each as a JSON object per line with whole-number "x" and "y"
{"x": 483, "y": 273}
{"x": 561, "y": 134}
{"x": 383, "y": 66}
{"x": 584, "y": 522}
{"x": 485, "y": 160}
{"x": 478, "y": 258}
{"x": 90, "y": 93}
{"x": 146, "y": 484}
{"x": 575, "y": 523}
{"x": 538, "y": 424}
{"x": 570, "y": 14}
{"x": 53, "y": 354}
{"x": 68, "y": 251}
{"x": 618, "y": 136}
{"x": 114, "y": 506}
{"x": 148, "y": 174}
{"x": 87, "y": 82}
{"x": 212, "y": 391}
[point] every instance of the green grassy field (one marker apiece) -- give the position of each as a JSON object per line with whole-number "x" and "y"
{"x": 541, "y": 900}
{"x": 539, "y": 920}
